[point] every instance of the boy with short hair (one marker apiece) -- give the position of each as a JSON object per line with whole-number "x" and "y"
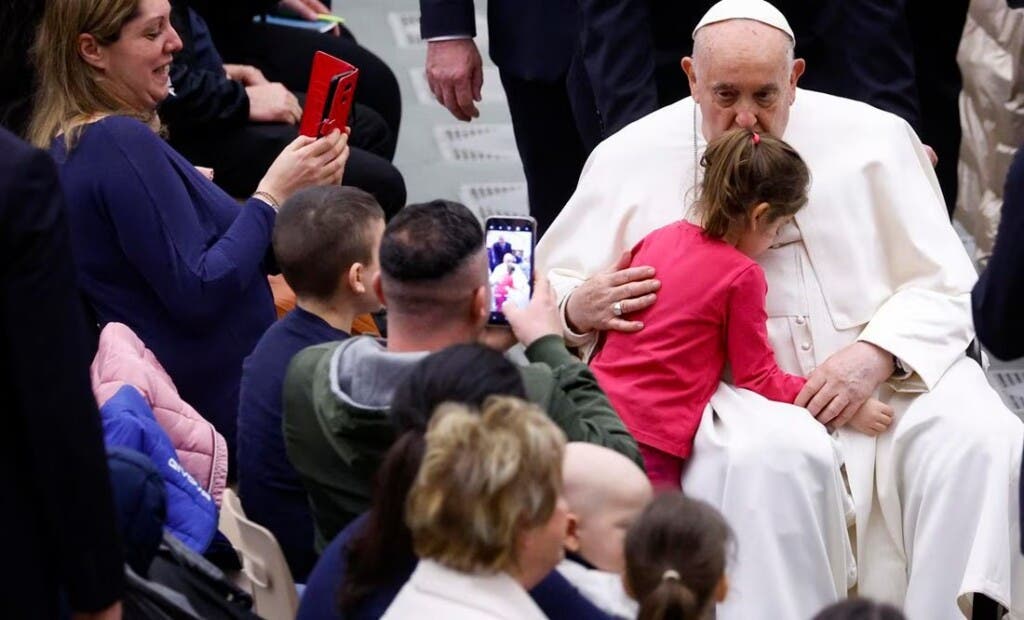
{"x": 326, "y": 242}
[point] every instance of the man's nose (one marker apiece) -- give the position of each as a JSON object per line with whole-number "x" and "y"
{"x": 745, "y": 119}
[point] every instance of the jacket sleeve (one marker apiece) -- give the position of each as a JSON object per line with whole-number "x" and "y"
{"x": 750, "y": 354}
{"x": 51, "y": 409}
{"x": 202, "y": 96}
{"x": 999, "y": 294}
{"x": 439, "y": 18}
{"x": 151, "y": 209}
{"x": 617, "y": 47}
{"x": 204, "y": 100}
{"x": 574, "y": 400}
{"x": 926, "y": 320}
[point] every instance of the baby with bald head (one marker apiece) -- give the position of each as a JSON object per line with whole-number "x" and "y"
{"x": 605, "y": 492}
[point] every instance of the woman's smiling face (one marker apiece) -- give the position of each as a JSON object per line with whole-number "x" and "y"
{"x": 136, "y": 67}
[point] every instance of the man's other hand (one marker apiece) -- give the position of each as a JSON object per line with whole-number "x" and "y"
{"x": 455, "y": 74}
{"x": 591, "y": 307}
{"x": 837, "y": 389}
{"x": 248, "y": 75}
{"x": 538, "y": 319}
{"x": 273, "y": 103}
{"x": 306, "y": 9}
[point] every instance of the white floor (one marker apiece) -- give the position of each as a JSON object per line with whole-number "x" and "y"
{"x": 476, "y": 163}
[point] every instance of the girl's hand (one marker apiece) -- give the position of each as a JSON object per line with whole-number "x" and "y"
{"x": 873, "y": 418}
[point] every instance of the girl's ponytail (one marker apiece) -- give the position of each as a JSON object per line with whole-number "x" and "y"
{"x": 672, "y": 599}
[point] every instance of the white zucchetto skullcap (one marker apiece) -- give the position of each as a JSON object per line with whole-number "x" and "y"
{"x": 755, "y": 10}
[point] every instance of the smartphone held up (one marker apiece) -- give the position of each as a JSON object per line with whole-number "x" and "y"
{"x": 510, "y": 242}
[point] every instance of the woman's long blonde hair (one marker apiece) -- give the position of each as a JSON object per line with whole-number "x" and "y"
{"x": 69, "y": 93}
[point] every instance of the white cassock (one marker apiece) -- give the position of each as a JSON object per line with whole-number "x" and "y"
{"x": 871, "y": 257}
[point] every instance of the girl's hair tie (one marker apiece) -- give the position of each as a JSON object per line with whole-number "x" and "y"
{"x": 670, "y": 575}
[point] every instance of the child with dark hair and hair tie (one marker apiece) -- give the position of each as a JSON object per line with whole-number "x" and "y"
{"x": 711, "y": 305}
{"x": 675, "y": 559}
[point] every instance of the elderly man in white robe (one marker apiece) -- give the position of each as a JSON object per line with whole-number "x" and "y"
{"x": 869, "y": 293}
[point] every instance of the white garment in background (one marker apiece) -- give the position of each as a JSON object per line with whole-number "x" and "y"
{"x": 603, "y": 589}
{"x": 872, "y": 257}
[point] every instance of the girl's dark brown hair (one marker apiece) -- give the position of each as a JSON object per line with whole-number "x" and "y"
{"x": 743, "y": 169}
{"x": 675, "y": 557}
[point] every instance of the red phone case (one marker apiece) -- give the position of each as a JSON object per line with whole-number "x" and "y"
{"x": 320, "y": 116}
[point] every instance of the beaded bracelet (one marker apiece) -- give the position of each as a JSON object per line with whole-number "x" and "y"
{"x": 267, "y": 198}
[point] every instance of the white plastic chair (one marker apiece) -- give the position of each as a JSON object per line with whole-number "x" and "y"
{"x": 263, "y": 562}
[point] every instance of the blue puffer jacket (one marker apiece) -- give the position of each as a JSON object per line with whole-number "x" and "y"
{"x": 128, "y": 422}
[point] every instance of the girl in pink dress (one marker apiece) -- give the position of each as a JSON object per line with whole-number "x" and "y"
{"x": 711, "y": 305}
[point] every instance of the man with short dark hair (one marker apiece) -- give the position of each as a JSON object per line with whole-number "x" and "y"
{"x": 325, "y": 241}
{"x": 433, "y": 280}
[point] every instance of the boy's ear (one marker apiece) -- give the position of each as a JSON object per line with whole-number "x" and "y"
{"x": 354, "y": 279}
{"x": 91, "y": 51}
{"x": 378, "y": 289}
{"x": 572, "y": 537}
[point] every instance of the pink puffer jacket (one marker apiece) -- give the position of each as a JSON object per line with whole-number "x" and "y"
{"x": 124, "y": 359}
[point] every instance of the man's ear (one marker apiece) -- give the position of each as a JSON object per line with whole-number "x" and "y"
{"x": 799, "y": 66}
{"x": 572, "y": 538}
{"x": 480, "y": 309}
{"x": 354, "y": 279}
{"x": 691, "y": 75}
{"x": 91, "y": 51}
{"x": 378, "y": 289}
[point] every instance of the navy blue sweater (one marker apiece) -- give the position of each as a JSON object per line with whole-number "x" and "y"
{"x": 271, "y": 490}
{"x": 163, "y": 250}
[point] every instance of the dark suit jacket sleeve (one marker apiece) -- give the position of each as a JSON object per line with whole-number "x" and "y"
{"x": 999, "y": 294}
{"x": 440, "y": 18}
{"x": 203, "y": 99}
{"x": 617, "y": 48}
{"x": 47, "y": 361}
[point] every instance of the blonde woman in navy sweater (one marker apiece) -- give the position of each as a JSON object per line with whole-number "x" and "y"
{"x": 157, "y": 245}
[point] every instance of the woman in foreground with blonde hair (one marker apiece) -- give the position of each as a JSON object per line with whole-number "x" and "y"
{"x": 486, "y": 513}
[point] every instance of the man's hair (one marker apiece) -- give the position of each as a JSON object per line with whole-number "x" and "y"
{"x": 485, "y": 480}
{"x": 703, "y": 44}
{"x": 320, "y": 233}
{"x": 675, "y": 557}
{"x": 743, "y": 169}
{"x": 425, "y": 257}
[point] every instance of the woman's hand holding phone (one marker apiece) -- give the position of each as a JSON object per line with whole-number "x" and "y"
{"x": 306, "y": 162}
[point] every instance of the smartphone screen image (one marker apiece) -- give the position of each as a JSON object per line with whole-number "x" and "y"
{"x": 510, "y": 242}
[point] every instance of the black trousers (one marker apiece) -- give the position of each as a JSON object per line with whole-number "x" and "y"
{"x": 286, "y": 54}
{"x": 935, "y": 30}
{"x": 548, "y": 141}
{"x": 240, "y": 157}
